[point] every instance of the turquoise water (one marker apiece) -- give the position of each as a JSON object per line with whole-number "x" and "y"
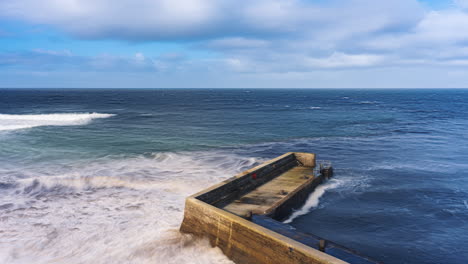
{"x": 84, "y": 172}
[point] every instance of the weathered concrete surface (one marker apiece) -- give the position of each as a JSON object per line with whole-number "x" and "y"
{"x": 227, "y": 191}
{"x": 314, "y": 241}
{"x": 246, "y": 242}
{"x": 272, "y": 188}
{"x": 270, "y": 195}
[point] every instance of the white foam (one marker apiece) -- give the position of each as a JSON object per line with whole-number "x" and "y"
{"x": 111, "y": 210}
{"x": 368, "y": 102}
{"x": 15, "y": 122}
{"x": 424, "y": 165}
{"x": 314, "y": 199}
{"x": 315, "y": 107}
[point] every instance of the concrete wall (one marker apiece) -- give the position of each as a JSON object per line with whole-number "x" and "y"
{"x": 242, "y": 240}
{"x": 246, "y": 242}
{"x": 227, "y": 191}
{"x": 306, "y": 159}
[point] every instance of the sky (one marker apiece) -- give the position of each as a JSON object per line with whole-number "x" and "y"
{"x": 234, "y": 44}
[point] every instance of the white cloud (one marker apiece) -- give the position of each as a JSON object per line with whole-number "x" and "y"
{"x": 340, "y": 60}
{"x": 439, "y": 35}
{"x": 54, "y": 52}
{"x": 461, "y": 3}
{"x": 186, "y": 19}
{"x": 255, "y": 31}
{"x": 124, "y": 19}
{"x": 443, "y": 27}
{"x": 258, "y": 36}
{"x": 59, "y": 60}
{"x": 236, "y": 43}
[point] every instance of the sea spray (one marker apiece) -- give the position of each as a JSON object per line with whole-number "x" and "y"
{"x": 314, "y": 199}
{"x": 119, "y": 210}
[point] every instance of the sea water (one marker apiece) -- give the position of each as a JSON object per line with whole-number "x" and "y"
{"x": 100, "y": 175}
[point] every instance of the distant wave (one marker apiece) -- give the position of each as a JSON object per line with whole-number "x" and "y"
{"x": 313, "y": 200}
{"x": 315, "y": 107}
{"x": 15, "y": 122}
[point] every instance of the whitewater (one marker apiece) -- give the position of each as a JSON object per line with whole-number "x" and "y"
{"x": 313, "y": 200}
{"x": 111, "y": 210}
{"x": 15, "y": 122}
{"x": 118, "y": 209}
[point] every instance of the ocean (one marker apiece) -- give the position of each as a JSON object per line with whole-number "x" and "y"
{"x": 100, "y": 175}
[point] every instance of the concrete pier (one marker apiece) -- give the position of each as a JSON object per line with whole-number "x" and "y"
{"x": 227, "y": 213}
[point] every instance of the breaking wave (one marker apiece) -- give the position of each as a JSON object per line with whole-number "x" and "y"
{"x": 114, "y": 209}
{"x": 15, "y": 122}
{"x": 314, "y": 199}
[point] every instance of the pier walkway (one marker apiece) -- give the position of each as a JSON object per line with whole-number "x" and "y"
{"x": 268, "y": 196}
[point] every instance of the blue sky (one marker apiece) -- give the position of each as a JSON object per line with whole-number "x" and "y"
{"x": 225, "y": 43}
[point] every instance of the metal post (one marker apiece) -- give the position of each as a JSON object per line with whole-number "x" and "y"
{"x": 322, "y": 245}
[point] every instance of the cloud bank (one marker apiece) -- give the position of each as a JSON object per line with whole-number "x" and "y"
{"x": 201, "y": 19}
{"x": 256, "y": 37}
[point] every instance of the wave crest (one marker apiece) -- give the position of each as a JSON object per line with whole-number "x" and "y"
{"x": 97, "y": 209}
{"x": 15, "y": 122}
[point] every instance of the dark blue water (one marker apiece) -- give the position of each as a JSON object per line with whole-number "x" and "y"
{"x": 400, "y": 194}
